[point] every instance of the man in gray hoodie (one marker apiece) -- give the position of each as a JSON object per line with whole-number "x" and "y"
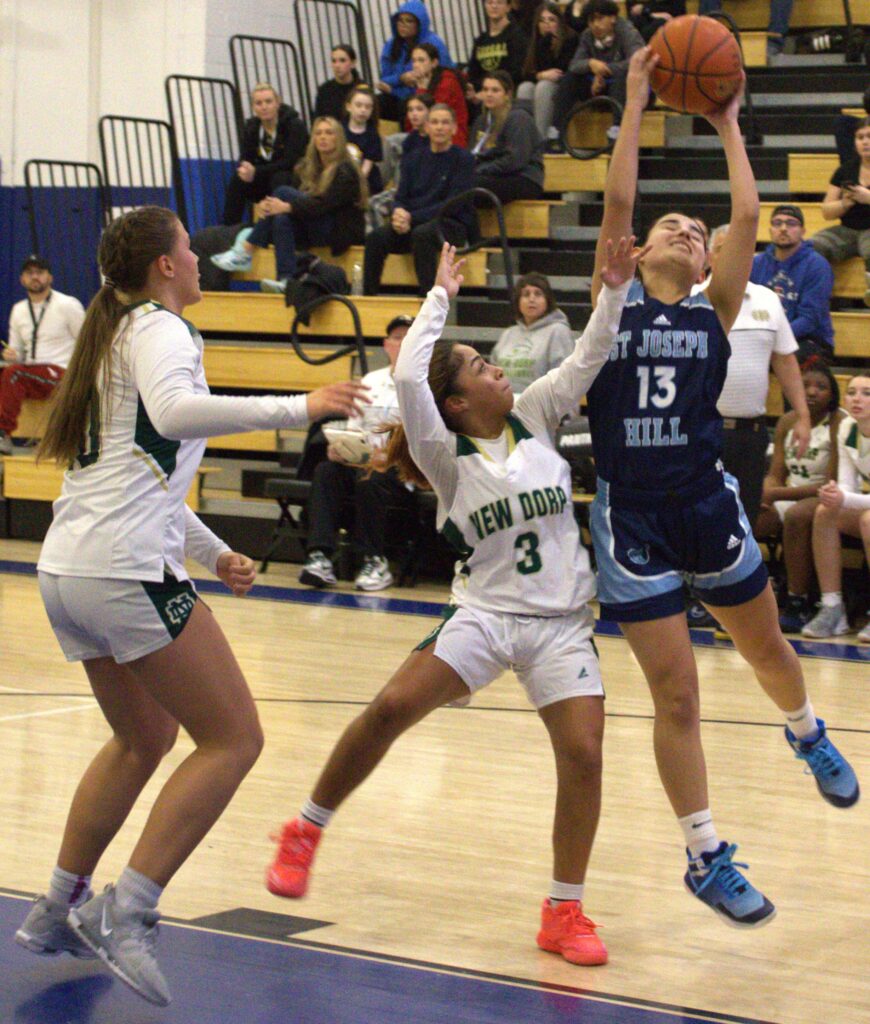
{"x": 541, "y": 338}
{"x": 599, "y": 66}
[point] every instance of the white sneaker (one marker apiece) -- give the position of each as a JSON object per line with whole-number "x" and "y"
{"x": 268, "y": 285}
{"x": 829, "y": 620}
{"x": 6, "y": 447}
{"x": 864, "y": 635}
{"x": 45, "y": 931}
{"x": 232, "y": 260}
{"x": 374, "y": 575}
{"x": 124, "y": 940}
{"x": 317, "y": 571}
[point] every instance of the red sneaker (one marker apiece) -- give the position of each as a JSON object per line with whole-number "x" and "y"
{"x": 288, "y": 873}
{"x": 565, "y": 929}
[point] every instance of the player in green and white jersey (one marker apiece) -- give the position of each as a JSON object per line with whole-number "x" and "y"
{"x": 521, "y": 590}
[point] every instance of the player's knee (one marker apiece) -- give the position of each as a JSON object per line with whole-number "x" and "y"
{"x": 678, "y": 703}
{"x": 582, "y": 757}
{"x": 150, "y": 747}
{"x": 390, "y": 713}
{"x": 825, "y": 515}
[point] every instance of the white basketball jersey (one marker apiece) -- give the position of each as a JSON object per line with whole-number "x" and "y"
{"x": 514, "y": 524}
{"x": 812, "y": 466}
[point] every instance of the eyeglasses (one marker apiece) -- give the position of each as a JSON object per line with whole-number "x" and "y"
{"x": 785, "y": 222}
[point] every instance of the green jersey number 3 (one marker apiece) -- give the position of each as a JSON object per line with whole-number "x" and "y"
{"x": 530, "y": 563}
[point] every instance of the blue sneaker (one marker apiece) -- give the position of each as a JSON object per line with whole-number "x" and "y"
{"x": 834, "y": 775}
{"x": 714, "y": 879}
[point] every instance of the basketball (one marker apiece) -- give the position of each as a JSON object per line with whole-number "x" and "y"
{"x": 699, "y": 65}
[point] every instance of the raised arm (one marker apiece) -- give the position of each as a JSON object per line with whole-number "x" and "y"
{"x": 728, "y": 285}
{"x": 620, "y": 189}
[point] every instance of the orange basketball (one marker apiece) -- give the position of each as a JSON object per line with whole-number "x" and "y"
{"x": 699, "y": 65}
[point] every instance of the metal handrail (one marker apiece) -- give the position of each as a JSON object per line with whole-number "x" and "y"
{"x": 358, "y": 346}
{"x": 753, "y": 136}
{"x": 594, "y": 102}
{"x": 502, "y": 240}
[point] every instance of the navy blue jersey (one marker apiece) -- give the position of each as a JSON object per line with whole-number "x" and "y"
{"x": 652, "y": 408}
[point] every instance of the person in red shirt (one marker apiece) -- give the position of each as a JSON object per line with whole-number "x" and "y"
{"x": 442, "y": 84}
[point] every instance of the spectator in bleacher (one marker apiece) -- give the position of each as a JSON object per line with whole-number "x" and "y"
{"x": 648, "y": 16}
{"x": 42, "y": 334}
{"x": 540, "y": 340}
{"x": 777, "y": 26}
{"x": 507, "y": 148}
{"x": 396, "y": 146}
{"x": 844, "y": 507}
{"x": 845, "y": 128}
{"x": 801, "y": 278}
{"x": 442, "y": 84}
{"x": 599, "y": 66}
{"x": 410, "y": 28}
{"x": 332, "y": 95}
{"x": 551, "y": 48}
{"x": 338, "y": 483}
{"x": 429, "y": 177}
{"x": 326, "y": 209}
{"x": 848, "y": 199}
{"x": 790, "y": 493}
{"x": 361, "y": 130}
{"x": 273, "y": 140}
{"x": 500, "y": 47}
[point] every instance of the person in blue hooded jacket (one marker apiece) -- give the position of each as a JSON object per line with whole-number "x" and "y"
{"x": 802, "y": 278}
{"x": 410, "y": 28}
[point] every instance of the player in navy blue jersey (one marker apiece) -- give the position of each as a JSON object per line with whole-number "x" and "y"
{"x": 666, "y": 512}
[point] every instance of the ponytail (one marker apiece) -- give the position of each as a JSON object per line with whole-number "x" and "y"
{"x": 128, "y": 247}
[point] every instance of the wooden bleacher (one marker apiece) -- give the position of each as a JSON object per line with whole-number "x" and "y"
{"x": 248, "y": 312}
{"x": 851, "y": 335}
{"x": 811, "y": 172}
{"x": 755, "y": 14}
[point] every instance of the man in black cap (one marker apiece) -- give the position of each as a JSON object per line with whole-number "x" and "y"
{"x": 802, "y": 278}
{"x": 42, "y": 334}
{"x": 339, "y": 481}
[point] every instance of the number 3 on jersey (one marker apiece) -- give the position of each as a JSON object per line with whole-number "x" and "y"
{"x": 530, "y": 563}
{"x": 666, "y": 390}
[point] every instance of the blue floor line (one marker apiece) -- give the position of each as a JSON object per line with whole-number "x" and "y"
{"x": 216, "y": 977}
{"x": 407, "y": 606}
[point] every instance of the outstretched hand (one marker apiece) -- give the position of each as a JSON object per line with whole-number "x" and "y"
{"x": 345, "y": 399}
{"x": 730, "y": 111}
{"x": 621, "y": 260}
{"x": 639, "y": 69}
{"x": 449, "y": 276}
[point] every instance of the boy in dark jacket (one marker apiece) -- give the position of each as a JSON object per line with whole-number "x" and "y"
{"x": 648, "y": 16}
{"x": 430, "y": 175}
{"x": 273, "y": 141}
{"x": 801, "y": 277}
{"x": 502, "y": 47}
{"x": 600, "y": 63}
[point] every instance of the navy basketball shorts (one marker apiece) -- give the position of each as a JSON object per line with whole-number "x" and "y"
{"x": 645, "y": 555}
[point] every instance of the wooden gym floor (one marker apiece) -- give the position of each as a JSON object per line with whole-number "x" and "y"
{"x": 426, "y": 891}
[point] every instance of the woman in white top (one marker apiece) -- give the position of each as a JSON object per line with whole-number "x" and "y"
{"x": 790, "y": 493}
{"x": 129, "y": 421}
{"x": 844, "y": 507}
{"x": 521, "y": 590}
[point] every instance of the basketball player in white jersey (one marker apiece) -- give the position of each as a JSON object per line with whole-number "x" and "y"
{"x": 130, "y": 421}
{"x": 521, "y": 590}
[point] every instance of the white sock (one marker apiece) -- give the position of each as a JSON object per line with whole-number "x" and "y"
{"x": 699, "y": 833}
{"x": 316, "y": 814}
{"x": 803, "y": 722}
{"x": 562, "y": 892}
{"x": 136, "y": 892}
{"x": 68, "y": 888}
{"x": 832, "y": 599}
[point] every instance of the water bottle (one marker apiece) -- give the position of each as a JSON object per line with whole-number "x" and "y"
{"x": 356, "y": 280}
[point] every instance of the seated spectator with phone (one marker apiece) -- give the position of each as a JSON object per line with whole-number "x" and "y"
{"x": 341, "y": 480}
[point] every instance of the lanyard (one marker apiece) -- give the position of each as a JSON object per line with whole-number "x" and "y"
{"x": 36, "y": 324}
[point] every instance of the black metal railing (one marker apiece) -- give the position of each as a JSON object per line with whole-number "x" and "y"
{"x": 67, "y": 210}
{"x": 205, "y": 116}
{"x": 140, "y": 164}
{"x": 357, "y": 346}
{"x": 276, "y": 61}
{"x": 501, "y": 240}
{"x": 605, "y": 103}
{"x": 320, "y": 25}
